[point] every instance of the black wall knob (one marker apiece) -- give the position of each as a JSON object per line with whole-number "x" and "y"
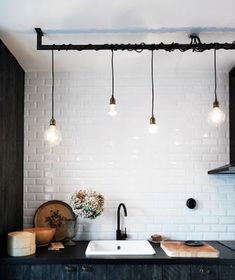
{"x": 191, "y": 203}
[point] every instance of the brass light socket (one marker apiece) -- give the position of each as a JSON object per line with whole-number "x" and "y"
{"x": 112, "y": 101}
{"x": 53, "y": 122}
{"x": 152, "y": 120}
{"x": 216, "y": 104}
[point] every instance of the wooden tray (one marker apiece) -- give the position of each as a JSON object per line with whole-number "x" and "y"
{"x": 180, "y": 250}
{"x": 54, "y": 213}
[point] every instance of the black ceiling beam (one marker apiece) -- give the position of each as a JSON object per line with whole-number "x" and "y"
{"x": 194, "y": 45}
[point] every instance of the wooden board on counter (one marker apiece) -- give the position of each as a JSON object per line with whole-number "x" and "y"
{"x": 180, "y": 250}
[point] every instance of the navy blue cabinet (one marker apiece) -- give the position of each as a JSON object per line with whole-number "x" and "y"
{"x": 227, "y": 272}
{"x": 147, "y": 272}
{"x": 92, "y": 272}
{"x": 205, "y": 272}
{"x": 14, "y": 272}
{"x": 176, "y": 272}
{"x": 40, "y": 272}
{"x": 117, "y": 272}
{"x": 133, "y": 272}
{"x": 120, "y": 272}
{"x": 63, "y": 272}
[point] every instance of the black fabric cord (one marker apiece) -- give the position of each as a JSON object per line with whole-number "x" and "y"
{"x": 152, "y": 83}
{"x": 112, "y": 74}
{"x": 52, "y": 86}
{"x": 215, "y": 74}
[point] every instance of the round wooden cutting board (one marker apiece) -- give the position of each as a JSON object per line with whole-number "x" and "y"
{"x": 54, "y": 214}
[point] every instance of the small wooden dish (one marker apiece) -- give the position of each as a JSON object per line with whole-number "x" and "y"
{"x": 43, "y": 235}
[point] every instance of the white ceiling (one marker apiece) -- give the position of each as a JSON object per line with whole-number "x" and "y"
{"x": 87, "y": 21}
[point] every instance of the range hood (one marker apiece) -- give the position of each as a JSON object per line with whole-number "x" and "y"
{"x": 229, "y": 168}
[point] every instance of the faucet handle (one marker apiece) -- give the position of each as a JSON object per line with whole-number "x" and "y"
{"x": 124, "y": 235}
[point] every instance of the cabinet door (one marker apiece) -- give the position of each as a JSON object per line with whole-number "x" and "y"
{"x": 146, "y": 272}
{"x": 134, "y": 272}
{"x": 92, "y": 272}
{"x": 14, "y": 272}
{"x": 119, "y": 272}
{"x": 176, "y": 272}
{"x": 39, "y": 272}
{"x": 63, "y": 272}
{"x": 204, "y": 272}
{"x": 227, "y": 272}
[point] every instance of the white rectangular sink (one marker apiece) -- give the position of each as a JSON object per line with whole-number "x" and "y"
{"x": 119, "y": 248}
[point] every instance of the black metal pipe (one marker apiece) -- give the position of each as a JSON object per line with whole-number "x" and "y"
{"x": 194, "y": 45}
{"x": 39, "y": 37}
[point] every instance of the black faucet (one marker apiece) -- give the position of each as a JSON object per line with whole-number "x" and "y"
{"x": 119, "y": 234}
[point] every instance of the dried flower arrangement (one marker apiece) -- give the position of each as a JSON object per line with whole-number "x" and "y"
{"x": 87, "y": 203}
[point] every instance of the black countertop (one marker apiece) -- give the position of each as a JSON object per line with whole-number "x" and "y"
{"x": 76, "y": 255}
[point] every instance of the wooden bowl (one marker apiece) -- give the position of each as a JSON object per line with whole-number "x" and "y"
{"x": 43, "y": 235}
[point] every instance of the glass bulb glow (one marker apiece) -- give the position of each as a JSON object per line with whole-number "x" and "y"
{"x": 216, "y": 117}
{"x": 112, "y": 110}
{"x": 152, "y": 125}
{"x": 152, "y": 128}
{"x": 52, "y": 136}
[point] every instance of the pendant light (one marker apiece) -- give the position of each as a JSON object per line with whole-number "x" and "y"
{"x": 216, "y": 116}
{"x": 112, "y": 102}
{"x": 52, "y": 135}
{"x": 152, "y": 121}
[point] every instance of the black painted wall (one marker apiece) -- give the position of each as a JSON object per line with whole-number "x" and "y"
{"x": 11, "y": 144}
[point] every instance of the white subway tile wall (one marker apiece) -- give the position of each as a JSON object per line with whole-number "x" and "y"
{"x": 153, "y": 175}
